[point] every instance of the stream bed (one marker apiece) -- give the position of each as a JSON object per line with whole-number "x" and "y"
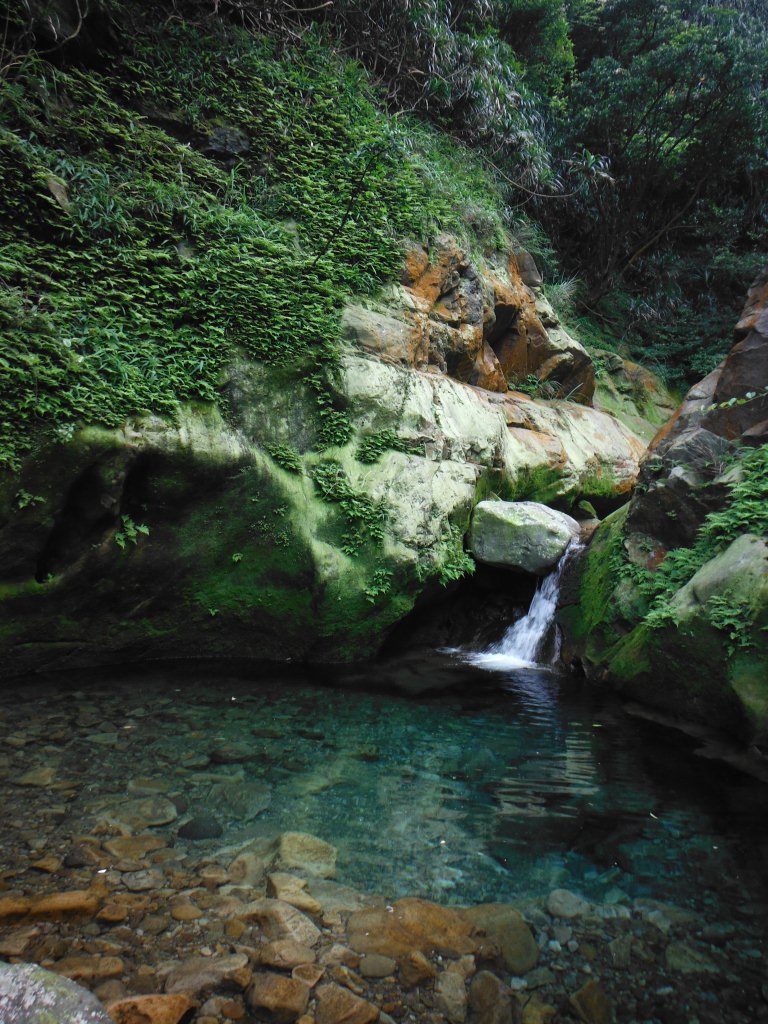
{"x": 501, "y": 789}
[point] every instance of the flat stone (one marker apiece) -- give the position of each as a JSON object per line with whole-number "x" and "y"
{"x": 152, "y": 1009}
{"x": 592, "y": 1004}
{"x": 451, "y": 996}
{"x": 14, "y": 906}
{"x": 286, "y": 954}
{"x": 150, "y": 810}
{"x": 17, "y": 941}
{"x": 292, "y": 890}
{"x": 310, "y": 974}
{"x": 337, "y": 1005}
{"x": 31, "y": 995}
{"x": 278, "y": 998}
{"x": 489, "y": 1000}
{"x": 143, "y": 881}
{"x": 280, "y": 920}
{"x": 377, "y": 966}
{"x": 685, "y": 960}
{"x": 41, "y": 776}
{"x": 307, "y": 853}
{"x": 507, "y": 929}
{"x": 148, "y": 787}
{"x": 185, "y": 910}
{"x": 90, "y": 968}
{"x": 72, "y": 904}
{"x": 201, "y": 974}
{"x": 50, "y": 865}
{"x": 563, "y": 903}
{"x": 410, "y": 924}
{"x": 134, "y": 847}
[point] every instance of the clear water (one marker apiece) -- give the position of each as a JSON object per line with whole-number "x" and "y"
{"x": 506, "y": 787}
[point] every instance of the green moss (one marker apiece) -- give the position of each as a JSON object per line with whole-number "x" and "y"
{"x": 136, "y": 265}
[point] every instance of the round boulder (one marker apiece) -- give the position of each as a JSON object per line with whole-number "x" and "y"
{"x": 520, "y": 535}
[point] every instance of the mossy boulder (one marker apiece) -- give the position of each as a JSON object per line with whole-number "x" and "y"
{"x": 521, "y": 535}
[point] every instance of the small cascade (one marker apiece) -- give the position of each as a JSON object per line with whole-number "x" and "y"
{"x": 520, "y": 647}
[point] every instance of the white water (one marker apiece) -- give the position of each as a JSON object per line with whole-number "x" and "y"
{"x": 521, "y": 645}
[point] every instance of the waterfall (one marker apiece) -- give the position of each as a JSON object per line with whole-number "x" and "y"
{"x": 520, "y": 647}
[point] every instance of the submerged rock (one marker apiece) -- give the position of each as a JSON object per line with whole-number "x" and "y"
{"x": 521, "y": 535}
{"x": 31, "y": 995}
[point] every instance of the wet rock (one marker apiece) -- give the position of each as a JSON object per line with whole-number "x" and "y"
{"x": 375, "y": 966}
{"x": 506, "y": 927}
{"x": 13, "y": 907}
{"x": 307, "y": 853}
{"x": 78, "y": 903}
{"x": 410, "y": 924}
{"x": 82, "y": 856}
{"x": 310, "y": 974}
{"x": 686, "y": 960}
{"x": 562, "y": 903}
{"x": 143, "y": 881}
{"x": 451, "y": 996}
{"x": 18, "y": 940}
{"x": 521, "y": 535}
{"x": 490, "y": 1001}
{"x": 234, "y": 753}
{"x": 277, "y": 998}
{"x": 185, "y": 910}
{"x": 50, "y": 865}
{"x": 31, "y": 995}
{"x": 292, "y": 890}
{"x": 151, "y": 810}
{"x": 202, "y": 974}
{"x": 591, "y": 1004}
{"x": 202, "y": 826}
{"x": 286, "y": 954}
{"x": 620, "y": 951}
{"x": 337, "y": 1005}
{"x": 42, "y": 776}
{"x": 90, "y": 968}
{"x": 150, "y": 1009}
{"x": 280, "y": 920}
{"x": 415, "y": 969}
{"x": 132, "y": 847}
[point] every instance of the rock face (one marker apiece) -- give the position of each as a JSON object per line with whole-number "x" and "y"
{"x": 702, "y": 652}
{"x": 101, "y": 552}
{"x": 521, "y": 535}
{"x": 31, "y": 995}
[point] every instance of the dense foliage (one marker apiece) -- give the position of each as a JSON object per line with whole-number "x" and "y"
{"x": 174, "y": 188}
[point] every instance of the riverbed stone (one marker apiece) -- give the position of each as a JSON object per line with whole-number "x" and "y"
{"x": 150, "y": 810}
{"x": 337, "y": 1005}
{"x": 31, "y": 995}
{"x": 201, "y": 974}
{"x": 134, "y": 847}
{"x": 307, "y": 853}
{"x": 521, "y": 535}
{"x": 490, "y": 1001}
{"x": 563, "y": 903}
{"x": 507, "y": 928}
{"x": 150, "y": 1009}
{"x": 376, "y": 966}
{"x": 293, "y": 890}
{"x": 451, "y": 996}
{"x": 280, "y": 920}
{"x": 277, "y": 998}
{"x": 286, "y": 954}
{"x": 592, "y": 1004}
{"x": 410, "y": 924}
{"x": 201, "y": 826}
{"x": 683, "y": 959}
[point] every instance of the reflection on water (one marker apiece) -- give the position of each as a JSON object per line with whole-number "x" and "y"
{"x": 503, "y": 787}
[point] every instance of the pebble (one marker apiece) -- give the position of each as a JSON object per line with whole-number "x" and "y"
{"x": 202, "y": 826}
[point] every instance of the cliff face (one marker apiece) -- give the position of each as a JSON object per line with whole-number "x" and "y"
{"x": 673, "y": 592}
{"x": 233, "y": 535}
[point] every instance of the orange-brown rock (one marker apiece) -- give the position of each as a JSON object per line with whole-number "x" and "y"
{"x": 77, "y": 903}
{"x": 285, "y": 954}
{"x": 279, "y": 998}
{"x": 415, "y": 969}
{"x": 90, "y": 968}
{"x": 134, "y": 847}
{"x": 337, "y": 1005}
{"x": 507, "y": 929}
{"x": 13, "y": 906}
{"x": 411, "y": 924}
{"x": 152, "y": 1009}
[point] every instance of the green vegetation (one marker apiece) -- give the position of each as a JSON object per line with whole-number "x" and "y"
{"x": 365, "y": 519}
{"x": 373, "y": 446}
{"x": 197, "y": 195}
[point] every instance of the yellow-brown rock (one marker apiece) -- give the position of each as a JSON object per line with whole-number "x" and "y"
{"x": 337, "y": 1005}
{"x": 279, "y": 998}
{"x": 152, "y": 1009}
{"x": 134, "y": 847}
{"x": 78, "y": 903}
{"x": 90, "y": 968}
{"x": 591, "y": 1004}
{"x": 411, "y": 924}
